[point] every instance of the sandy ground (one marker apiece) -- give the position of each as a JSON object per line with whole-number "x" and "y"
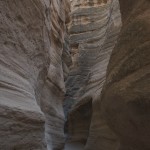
{"x": 74, "y": 146}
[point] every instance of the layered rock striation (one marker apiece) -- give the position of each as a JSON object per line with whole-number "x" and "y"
{"x": 94, "y": 29}
{"x": 38, "y": 75}
{"x": 54, "y": 87}
{"x": 33, "y": 62}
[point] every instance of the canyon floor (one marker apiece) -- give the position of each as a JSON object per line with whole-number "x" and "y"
{"x": 74, "y": 146}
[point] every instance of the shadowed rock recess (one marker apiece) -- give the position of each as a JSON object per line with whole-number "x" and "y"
{"x": 125, "y": 100}
{"x": 74, "y": 75}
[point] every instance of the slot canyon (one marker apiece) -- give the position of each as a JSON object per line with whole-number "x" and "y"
{"x": 74, "y": 74}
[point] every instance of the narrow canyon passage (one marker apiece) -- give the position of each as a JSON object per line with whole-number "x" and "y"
{"x": 93, "y": 29}
{"x": 74, "y": 75}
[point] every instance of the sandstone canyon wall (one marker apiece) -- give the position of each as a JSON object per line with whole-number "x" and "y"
{"x": 125, "y": 101}
{"x": 42, "y": 69}
{"x": 118, "y": 119}
{"x": 34, "y": 59}
{"x": 94, "y": 28}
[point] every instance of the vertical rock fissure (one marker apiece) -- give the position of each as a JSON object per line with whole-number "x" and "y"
{"x": 48, "y": 77}
{"x": 93, "y": 29}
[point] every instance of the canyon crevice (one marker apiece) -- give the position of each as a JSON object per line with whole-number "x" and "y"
{"x": 94, "y": 29}
{"x": 74, "y": 74}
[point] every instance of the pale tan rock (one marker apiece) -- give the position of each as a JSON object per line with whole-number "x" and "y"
{"x": 93, "y": 30}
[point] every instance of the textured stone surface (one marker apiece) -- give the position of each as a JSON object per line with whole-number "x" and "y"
{"x": 32, "y": 40}
{"x": 126, "y": 95}
{"x": 35, "y": 62}
{"x": 54, "y": 88}
{"x": 94, "y": 28}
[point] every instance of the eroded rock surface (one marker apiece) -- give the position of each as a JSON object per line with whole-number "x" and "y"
{"x": 126, "y": 95}
{"x": 94, "y": 28}
{"x": 37, "y": 73}
{"x": 32, "y": 68}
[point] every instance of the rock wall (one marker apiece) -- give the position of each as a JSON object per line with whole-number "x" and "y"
{"x": 54, "y": 87}
{"x": 33, "y": 63}
{"x": 94, "y": 28}
{"x": 37, "y": 74}
{"x": 126, "y": 95}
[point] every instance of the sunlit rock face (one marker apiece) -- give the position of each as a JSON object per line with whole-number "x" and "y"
{"x": 94, "y": 29}
{"x": 34, "y": 61}
{"x": 126, "y": 95}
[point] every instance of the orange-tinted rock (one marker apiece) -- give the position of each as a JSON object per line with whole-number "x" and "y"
{"x": 126, "y": 95}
